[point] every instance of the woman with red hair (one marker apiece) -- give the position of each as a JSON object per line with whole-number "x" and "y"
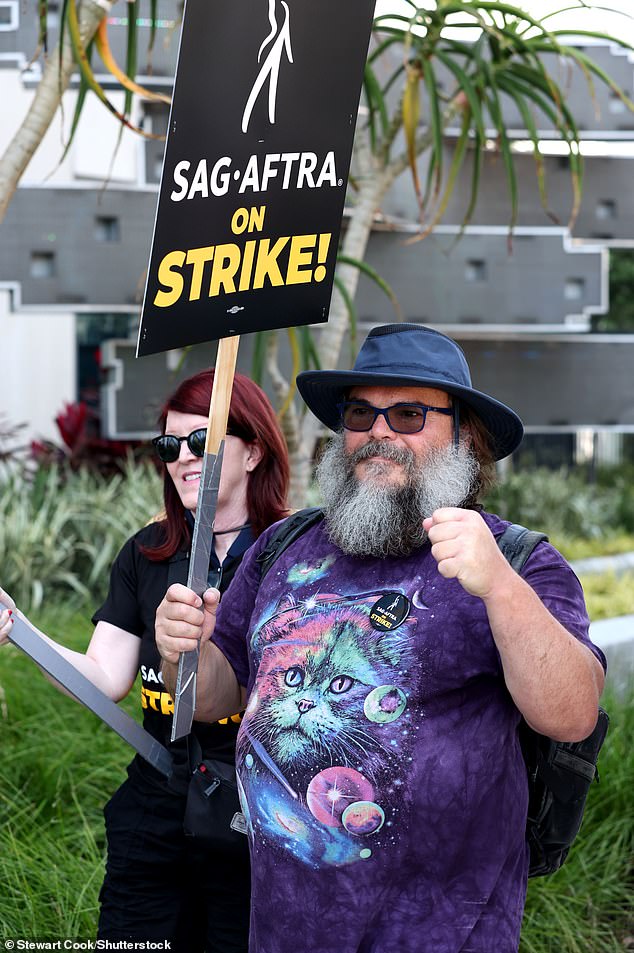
{"x": 162, "y": 884}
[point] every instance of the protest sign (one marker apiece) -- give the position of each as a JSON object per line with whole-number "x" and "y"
{"x": 256, "y": 165}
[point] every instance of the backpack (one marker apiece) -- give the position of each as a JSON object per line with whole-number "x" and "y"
{"x": 559, "y": 773}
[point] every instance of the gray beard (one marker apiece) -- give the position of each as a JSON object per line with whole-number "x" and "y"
{"x": 367, "y": 519}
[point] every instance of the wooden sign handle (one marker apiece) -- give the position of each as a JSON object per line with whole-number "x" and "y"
{"x": 221, "y": 392}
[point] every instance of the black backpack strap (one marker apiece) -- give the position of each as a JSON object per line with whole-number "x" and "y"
{"x": 517, "y": 543}
{"x": 290, "y": 530}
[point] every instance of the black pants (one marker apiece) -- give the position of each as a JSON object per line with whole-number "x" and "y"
{"x": 160, "y": 885}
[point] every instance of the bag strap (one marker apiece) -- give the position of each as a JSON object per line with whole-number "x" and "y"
{"x": 517, "y": 543}
{"x": 291, "y": 529}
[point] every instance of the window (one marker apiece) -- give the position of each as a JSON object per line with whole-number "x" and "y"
{"x": 42, "y": 264}
{"x": 574, "y": 289}
{"x": 475, "y": 270}
{"x": 606, "y": 209}
{"x": 52, "y": 12}
{"x": 107, "y": 229}
{"x": 9, "y": 15}
{"x": 616, "y": 104}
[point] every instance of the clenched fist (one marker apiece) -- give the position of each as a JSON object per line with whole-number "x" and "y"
{"x": 465, "y": 549}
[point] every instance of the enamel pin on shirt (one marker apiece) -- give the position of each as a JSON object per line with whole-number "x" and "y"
{"x": 389, "y": 611}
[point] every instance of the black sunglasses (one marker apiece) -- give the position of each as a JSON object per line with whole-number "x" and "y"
{"x": 401, "y": 418}
{"x": 168, "y": 447}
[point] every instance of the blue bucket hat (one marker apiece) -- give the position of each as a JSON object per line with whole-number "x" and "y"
{"x": 404, "y": 355}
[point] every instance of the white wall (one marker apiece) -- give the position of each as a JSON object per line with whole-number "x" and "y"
{"x": 39, "y": 367}
{"x": 90, "y": 157}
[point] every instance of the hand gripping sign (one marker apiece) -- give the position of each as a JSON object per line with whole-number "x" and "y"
{"x": 251, "y": 199}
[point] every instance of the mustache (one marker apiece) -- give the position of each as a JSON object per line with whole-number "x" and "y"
{"x": 377, "y": 448}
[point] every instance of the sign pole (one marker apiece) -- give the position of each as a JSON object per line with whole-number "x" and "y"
{"x": 202, "y": 540}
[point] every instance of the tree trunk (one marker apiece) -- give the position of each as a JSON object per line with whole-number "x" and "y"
{"x": 46, "y": 101}
{"x": 373, "y": 181}
{"x": 300, "y": 462}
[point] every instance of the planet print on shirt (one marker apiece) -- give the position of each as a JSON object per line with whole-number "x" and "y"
{"x": 333, "y": 790}
{"x": 325, "y": 738}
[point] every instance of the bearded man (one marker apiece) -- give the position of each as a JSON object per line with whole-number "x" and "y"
{"x": 386, "y": 662}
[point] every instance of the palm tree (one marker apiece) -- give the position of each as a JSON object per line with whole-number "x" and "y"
{"x": 404, "y": 118}
{"x": 404, "y": 121}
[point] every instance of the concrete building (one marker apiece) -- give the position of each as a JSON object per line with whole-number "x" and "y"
{"x": 73, "y": 253}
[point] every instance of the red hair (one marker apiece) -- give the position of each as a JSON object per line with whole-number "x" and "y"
{"x": 252, "y": 418}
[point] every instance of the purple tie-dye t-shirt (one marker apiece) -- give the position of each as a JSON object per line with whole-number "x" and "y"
{"x": 381, "y": 775}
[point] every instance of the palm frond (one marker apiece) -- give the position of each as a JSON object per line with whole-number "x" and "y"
{"x": 105, "y": 52}
{"x": 85, "y": 69}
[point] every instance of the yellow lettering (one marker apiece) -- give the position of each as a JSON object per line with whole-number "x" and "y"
{"x": 247, "y": 266}
{"x": 153, "y": 698}
{"x": 256, "y": 219}
{"x": 198, "y": 258}
{"x": 239, "y": 221}
{"x": 300, "y": 254}
{"x": 157, "y": 701}
{"x": 231, "y": 267}
{"x": 266, "y": 265}
{"x": 226, "y": 264}
{"x": 248, "y": 218}
{"x": 172, "y": 280}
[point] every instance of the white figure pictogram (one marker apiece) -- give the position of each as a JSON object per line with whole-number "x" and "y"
{"x": 270, "y": 68}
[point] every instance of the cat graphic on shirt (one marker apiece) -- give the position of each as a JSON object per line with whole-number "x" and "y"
{"x": 331, "y": 689}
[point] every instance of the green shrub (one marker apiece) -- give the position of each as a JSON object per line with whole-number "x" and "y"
{"x": 608, "y": 596}
{"x": 563, "y": 502}
{"x": 60, "y": 532}
{"x": 610, "y": 545}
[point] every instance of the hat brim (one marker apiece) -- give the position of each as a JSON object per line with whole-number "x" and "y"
{"x": 323, "y": 390}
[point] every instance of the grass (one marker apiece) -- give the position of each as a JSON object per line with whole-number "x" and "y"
{"x": 59, "y": 766}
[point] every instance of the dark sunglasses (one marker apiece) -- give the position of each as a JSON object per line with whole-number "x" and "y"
{"x": 168, "y": 447}
{"x": 401, "y": 418}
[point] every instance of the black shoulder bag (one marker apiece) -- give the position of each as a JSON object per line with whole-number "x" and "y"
{"x": 213, "y": 816}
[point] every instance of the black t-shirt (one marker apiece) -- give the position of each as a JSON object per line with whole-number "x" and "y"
{"x": 137, "y": 586}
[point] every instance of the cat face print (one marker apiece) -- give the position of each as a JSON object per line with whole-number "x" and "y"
{"x": 329, "y": 684}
